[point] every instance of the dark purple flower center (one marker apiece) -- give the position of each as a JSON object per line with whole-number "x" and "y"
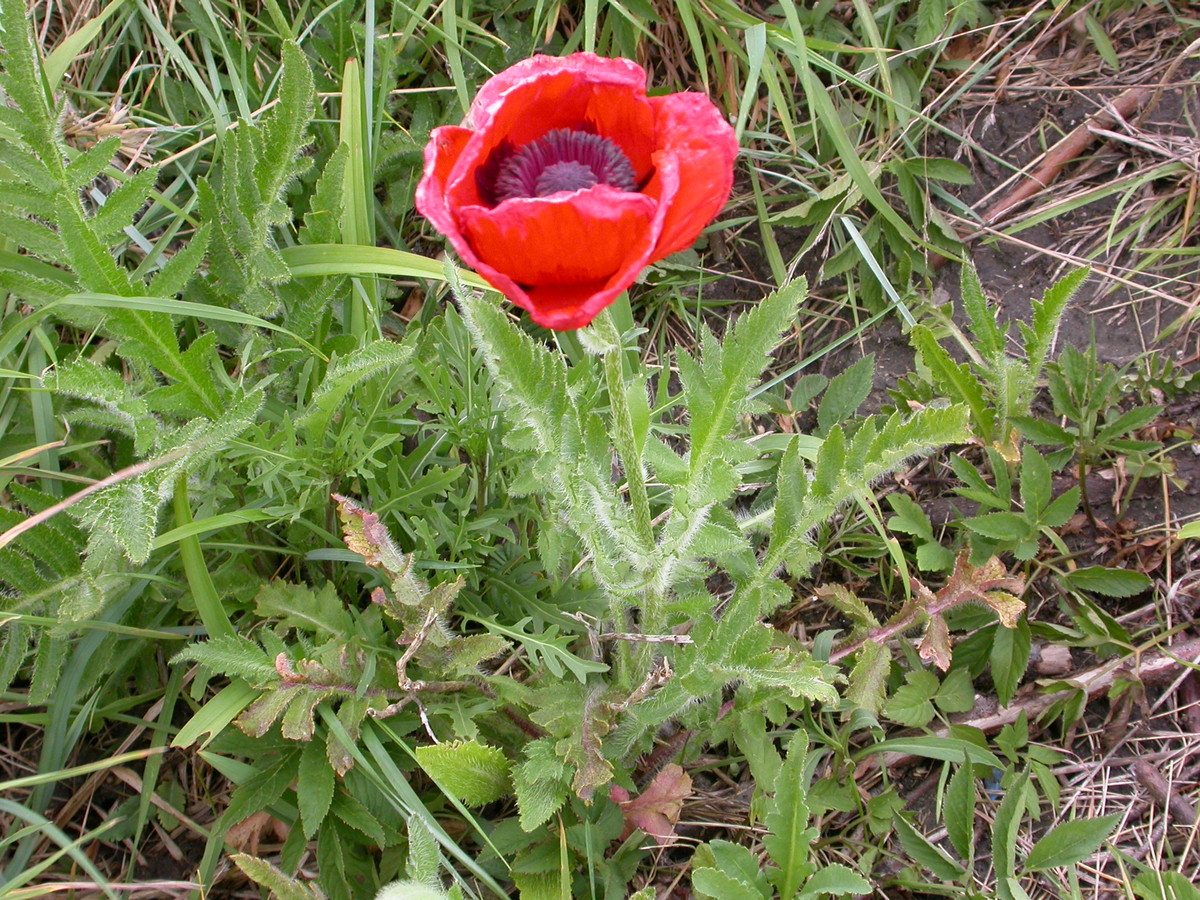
{"x": 563, "y": 160}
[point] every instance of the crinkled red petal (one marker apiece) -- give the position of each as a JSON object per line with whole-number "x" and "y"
{"x": 574, "y": 238}
{"x": 697, "y": 145}
{"x": 583, "y": 67}
{"x": 442, "y": 153}
{"x": 569, "y": 306}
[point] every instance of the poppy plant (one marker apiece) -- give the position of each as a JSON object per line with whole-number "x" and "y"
{"x": 567, "y": 181}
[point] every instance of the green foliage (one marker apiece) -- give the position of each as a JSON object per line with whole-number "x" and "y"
{"x": 1016, "y": 531}
{"x": 559, "y": 564}
{"x": 997, "y": 388}
{"x": 989, "y": 585}
{"x": 260, "y": 161}
{"x": 1152, "y": 885}
{"x": 1086, "y": 395}
{"x": 1069, "y": 842}
{"x": 725, "y": 870}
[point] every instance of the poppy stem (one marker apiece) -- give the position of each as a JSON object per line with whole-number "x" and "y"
{"x": 629, "y": 440}
{"x": 624, "y": 436}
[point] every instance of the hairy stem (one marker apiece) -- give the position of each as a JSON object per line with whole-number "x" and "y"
{"x": 622, "y": 434}
{"x": 653, "y": 618}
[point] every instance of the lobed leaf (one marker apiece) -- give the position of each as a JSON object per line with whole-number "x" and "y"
{"x": 789, "y": 836}
{"x": 716, "y": 388}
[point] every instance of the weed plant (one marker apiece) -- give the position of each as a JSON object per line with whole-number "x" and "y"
{"x": 349, "y": 576}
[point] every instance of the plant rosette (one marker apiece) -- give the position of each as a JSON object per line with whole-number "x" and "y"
{"x": 567, "y": 180}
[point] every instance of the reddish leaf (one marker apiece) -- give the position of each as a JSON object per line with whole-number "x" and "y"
{"x": 656, "y": 810}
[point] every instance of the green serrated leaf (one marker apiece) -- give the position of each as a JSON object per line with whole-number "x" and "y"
{"x": 1070, "y": 842}
{"x": 788, "y": 836}
{"x": 1060, "y": 510}
{"x": 848, "y": 604}
{"x": 721, "y": 886}
{"x": 1001, "y": 526}
{"x": 124, "y": 517}
{"x": 474, "y": 773}
{"x": 87, "y": 166}
{"x": 957, "y": 693}
{"x": 123, "y": 204}
{"x": 234, "y": 656}
{"x": 1007, "y": 826}
{"x": 321, "y": 222}
{"x": 318, "y": 612}
{"x": 982, "y": 315}
{"x": 911, "y": 705}
{"x": 955, "y": 379}
{"x": 846, "y": 393}
{"x": 547, "y": 650}
{"x": 958, "y": 811}
{"x": 736, "y": 861}
{"x": 541, "y": 784}
{"x": 1109, "y": 582}
{"x": 344, "y": 374}
{"x": 1009, "y": 659}
{"x": 358, "y": 816}
{"x": 1036, "y": 484}
{"x": 716, "y": 390}
{"x": 909, "y": 518}
{"x": 285, "y": 127}
{"x": 91, "y": 261}
{"x": 874, "y": 451}
{"x": 177, "y": 271}
{"x": 264, "y": 787}
{"x": 869, "y": 676}
{"x": 1042, "y": 432}
{"x": 280, "y": 885}
{"x": 314, "y": 787}
{"x": 1047, "y": 314}
{"x": 424, "y": 861}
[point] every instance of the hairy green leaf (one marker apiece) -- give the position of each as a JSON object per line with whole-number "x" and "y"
{"x": 1047, "y": 314}
{"x": 789, "y": 836}
{"x": 280, "y": 885}
{"x": 234, "y": 656}
{"x": 473, "y": 772}
{"x": 846, "y": 393}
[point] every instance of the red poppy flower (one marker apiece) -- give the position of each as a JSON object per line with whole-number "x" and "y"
{"x": 569, "y": 181}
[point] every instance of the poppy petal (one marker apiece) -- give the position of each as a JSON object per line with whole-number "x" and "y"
{"x": 567, "y": 238}
{"x": 599, "y": 99}
{"x": 695, "y": 141}
{"x": 442, "y": 153}
{"x": 566, "y": 256}
{"x": 582, "y": 67}
{"x": 565, "y": 307}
